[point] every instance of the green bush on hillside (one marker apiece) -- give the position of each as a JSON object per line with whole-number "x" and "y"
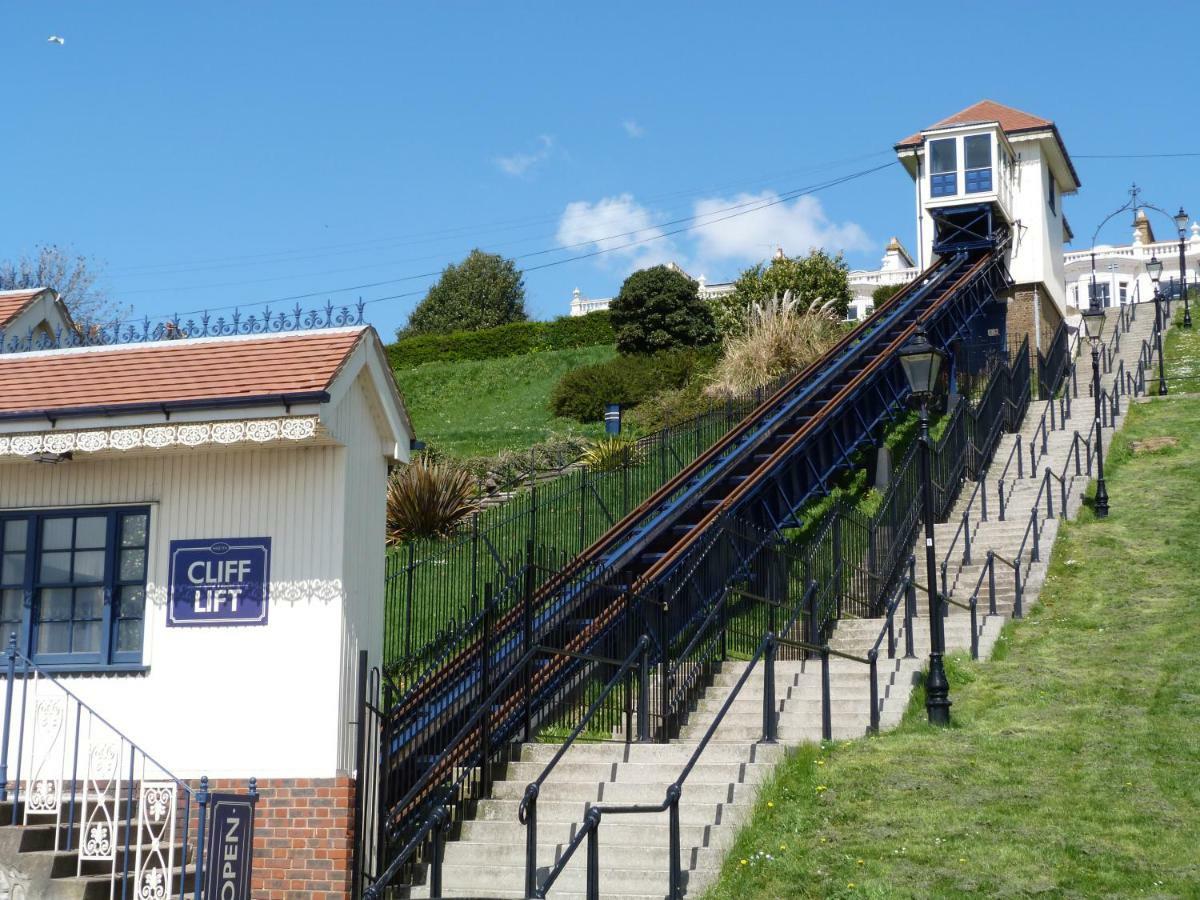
{"x": 660, "y": 309}
{"x": 564, "y": 333}
{"x": 582, "y": 393}
{"x": 482, "y": 291}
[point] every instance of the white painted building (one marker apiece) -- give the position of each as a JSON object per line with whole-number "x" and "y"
{"x": 581, "y": 305}
{"x": 32, "y": 314}
{"x": 116, "y": 462}
{"x": 897, "y": 268}
{"x": 990, "y": 166}
{"x": 1120, "y": 271}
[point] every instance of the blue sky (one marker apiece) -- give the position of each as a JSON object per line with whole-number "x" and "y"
{"x": 219, "y": 153}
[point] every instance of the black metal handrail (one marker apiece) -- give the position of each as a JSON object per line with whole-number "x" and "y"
{"x": 437, "y": 819}
{"x": 589, "y": 830}
{"x": 527, "y": 811}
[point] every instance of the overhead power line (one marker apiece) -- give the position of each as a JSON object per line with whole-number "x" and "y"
{"x": 341, "y": 249}
{"x": 1133, "y": 155}
{"x": 687, "y": 223}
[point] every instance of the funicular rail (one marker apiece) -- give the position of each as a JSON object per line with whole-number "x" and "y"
{"x": 602, "y": 547}
{"x": 591, "y": 597}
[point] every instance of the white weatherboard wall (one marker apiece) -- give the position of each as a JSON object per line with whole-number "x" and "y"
{"x": 234, "y": 701}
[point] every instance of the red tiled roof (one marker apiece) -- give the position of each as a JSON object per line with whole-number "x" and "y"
{"x": 170, "y": 372}
{"x": 12, "y": 302}
{"x": 1011, "y": 120}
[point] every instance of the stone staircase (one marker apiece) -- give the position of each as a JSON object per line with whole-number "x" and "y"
{"x": 489, "y": 856}
{"x": 30, "y": 862}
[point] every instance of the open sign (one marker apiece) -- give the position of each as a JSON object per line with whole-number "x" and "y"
{"x": 219, "y": 582}
{"x": 229, "y": 862}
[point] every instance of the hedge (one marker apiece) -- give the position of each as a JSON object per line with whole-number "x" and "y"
{"x": 563, "y": 333}
{"x": 582, "y": 393}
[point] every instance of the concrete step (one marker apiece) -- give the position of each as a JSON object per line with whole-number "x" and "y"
{"x": 648, "y": 772}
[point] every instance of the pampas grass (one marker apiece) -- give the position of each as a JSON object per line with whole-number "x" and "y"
{"x": 780, "y": 337}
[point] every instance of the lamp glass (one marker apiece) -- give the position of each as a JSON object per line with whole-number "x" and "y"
{"x": 1181, "y": 220}
{"x": 1154, "y": 269}
{"x": 921, "y": 362}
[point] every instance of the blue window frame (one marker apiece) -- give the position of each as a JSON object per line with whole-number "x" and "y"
{"x": 73, "y": 585}
{"x": 977, "y": 155}
{"x": 943, "y": 167}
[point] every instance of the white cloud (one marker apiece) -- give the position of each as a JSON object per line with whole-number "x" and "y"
{"x": 611, "y": 224}
{"x": 632, "y": 128}
{"x": 521, "y": 163}
{"x": 796, "y": 225}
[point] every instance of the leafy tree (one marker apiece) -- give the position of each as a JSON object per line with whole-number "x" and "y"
{"x": 660, "y": 309}
{"x": 482, "y": 291}
{"x": 71, "y": 275}
{"x": 884, "y": 292}
{"x": 816, "y": 277}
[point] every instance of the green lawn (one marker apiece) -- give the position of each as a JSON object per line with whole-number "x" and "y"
{"x": 1182, "y": 353}
{"x": 1073, "y": 766}
{"x": 478, "y": 407}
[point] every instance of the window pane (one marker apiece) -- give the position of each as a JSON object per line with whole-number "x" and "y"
{"x": 54, "y": 637}
{"x": 56, "y": 567}
{"x": 15, "y": 533}
{"x": 12, "y": 569}
{"x": 56, "y": 533}
{"x": 133, "y": 602}
{"x": 11, "y": 603}
{"x": 89, "y": 565}
{"x": 129, "y": 636}
{"x": 55, "y": 605}
{"x": 977, "y": 151}
{"x": 133, "y": 531}
{"x": 942, "y": 156}
{"x": 89, "y": 603}
{"x": 91, "y": 532}
{"x": 133, "y": 565}
{"x": 85, "y": 637}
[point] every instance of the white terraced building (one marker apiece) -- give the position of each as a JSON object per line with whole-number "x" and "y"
{"x": 1120, "y": 272}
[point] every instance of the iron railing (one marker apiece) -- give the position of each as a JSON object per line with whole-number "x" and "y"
{"x": 116, "y": 808}
{"x": 103, "y": 334}
{"x": 433, "y": 588}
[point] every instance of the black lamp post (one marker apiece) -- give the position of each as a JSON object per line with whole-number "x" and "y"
{"x": 1181, "y": 221}
{"x": 1094, "y": 319}
{"x": 1154, "y": 269}
{"x": 922, "y": 362}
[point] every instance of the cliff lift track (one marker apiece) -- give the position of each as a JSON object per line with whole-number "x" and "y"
{"x": 730, "y": 476}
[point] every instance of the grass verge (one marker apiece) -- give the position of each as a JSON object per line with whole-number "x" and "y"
{"x": 1073, "y": 765}
{"x": 479, "y": 407}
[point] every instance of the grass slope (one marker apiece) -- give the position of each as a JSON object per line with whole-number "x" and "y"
{"x": 1073, "y": 766}
{"x": 478, "y": 407}
{"x": 1181, "y": 354}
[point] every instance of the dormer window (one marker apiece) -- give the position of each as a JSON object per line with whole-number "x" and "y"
{"x": 943, "y": 167}
{"x": 977, "y": 154}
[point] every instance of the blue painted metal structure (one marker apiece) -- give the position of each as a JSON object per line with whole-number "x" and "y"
{"x": 786, "y": 452}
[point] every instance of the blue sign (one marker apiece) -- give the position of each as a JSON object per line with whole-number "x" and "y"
{"x": 228, "y": 865}
{"x": 219, "y": 582}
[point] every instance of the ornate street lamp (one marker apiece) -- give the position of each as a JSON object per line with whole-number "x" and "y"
{"x": 1094, "y": 322}
{"x": 1154, "y": 269}
{"x": 1181, "y": 221}
{"x": 922, "y": 362}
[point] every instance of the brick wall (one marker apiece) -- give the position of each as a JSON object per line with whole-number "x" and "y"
{"x": 303, "y": 837}
{"x": 1021, "y": 314}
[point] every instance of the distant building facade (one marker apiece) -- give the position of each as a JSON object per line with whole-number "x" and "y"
{"x": 581, "y": 305}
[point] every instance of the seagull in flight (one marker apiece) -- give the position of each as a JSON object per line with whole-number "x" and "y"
{"x": 55, "y": 39}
